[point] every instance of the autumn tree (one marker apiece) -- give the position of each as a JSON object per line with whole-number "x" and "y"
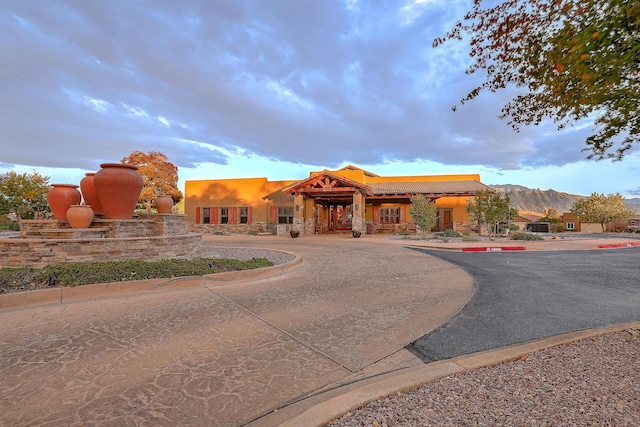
{"x": 554, "y": 219}
{"x": 551, "y": 216}
{"x": 24, "y": 194}
{"x": 159, "y": 177}
{"x": 490, "y": 209}
{"x": 423, "y": 213}
{"x": 574, "y": 59}
{"x": 602, "y": 209}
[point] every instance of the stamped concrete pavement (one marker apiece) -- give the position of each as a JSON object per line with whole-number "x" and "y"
{"x": 225, "y": 353}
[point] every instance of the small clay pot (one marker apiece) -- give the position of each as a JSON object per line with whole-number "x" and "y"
{"x": 164, "y": 204}
{"x": 79, "y": 216}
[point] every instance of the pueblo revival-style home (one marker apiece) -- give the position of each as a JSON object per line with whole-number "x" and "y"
{"x": 348, "y": 199}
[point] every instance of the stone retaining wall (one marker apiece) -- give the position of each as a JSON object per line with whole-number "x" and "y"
{"x": 255, "y": 228}
{"x": 145, "y": 225}
{"x": 41, "y": 252}
{"x": 147, "y": 237}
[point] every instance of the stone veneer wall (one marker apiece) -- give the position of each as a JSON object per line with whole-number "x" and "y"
{"x": 152, "y": 237}
{"x": 42, "y": 252}
{"x": 255, "y": 228}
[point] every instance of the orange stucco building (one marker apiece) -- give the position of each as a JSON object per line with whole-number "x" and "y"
{"x": 348, "y": 199}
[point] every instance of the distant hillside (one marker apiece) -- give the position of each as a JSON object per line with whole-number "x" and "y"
{"x": 536, "y": 201}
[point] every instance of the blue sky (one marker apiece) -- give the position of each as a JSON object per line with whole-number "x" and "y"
{"x": 273, "y": 88}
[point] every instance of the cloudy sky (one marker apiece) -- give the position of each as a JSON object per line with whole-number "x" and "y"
{"x": 276, "y": 88}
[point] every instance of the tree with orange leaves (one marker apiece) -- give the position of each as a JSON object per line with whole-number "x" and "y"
{"x": 159, "y": 177}
{"x": 575, "y": 59}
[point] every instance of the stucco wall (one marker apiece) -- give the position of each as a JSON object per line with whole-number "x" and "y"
{"x": 234, "y": 192}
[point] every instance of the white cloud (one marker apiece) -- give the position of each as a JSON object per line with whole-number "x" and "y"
{"x": 301, "y": 83}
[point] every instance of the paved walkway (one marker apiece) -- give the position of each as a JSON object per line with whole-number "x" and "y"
{"x": 226, "y": 353}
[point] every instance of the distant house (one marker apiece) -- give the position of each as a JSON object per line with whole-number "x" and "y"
{"x": 523, "y": 219}
{"x": 572, "y": 223}
{"x": 634, "y": 224}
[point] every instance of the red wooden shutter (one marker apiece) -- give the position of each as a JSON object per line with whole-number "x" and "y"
{"x": 403, "y": 214}
{"x": 233, "y": 215}
{"x": 274, "y": 214}
{"x": 198, "y": 215}
{"x": 376, "y": 215}
{"x": 214, "y": 215}
{"x": 249, "y": 217}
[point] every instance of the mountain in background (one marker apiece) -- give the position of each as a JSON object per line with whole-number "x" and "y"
{"x": 528, "y": 200}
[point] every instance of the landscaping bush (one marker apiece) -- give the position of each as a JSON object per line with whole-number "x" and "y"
{"x": 526, "y": 236}
{"x": 85, "y": 273}
{"x": 468, "y": 237}
{"x": 449, "y": 233}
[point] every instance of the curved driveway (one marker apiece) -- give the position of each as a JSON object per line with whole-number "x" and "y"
{"x": 523, "y": 296}
{"x": 225, "y": 354}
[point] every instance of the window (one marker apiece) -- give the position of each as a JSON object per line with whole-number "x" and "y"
{"x": 285, "y": 215}
{"x": 244, "y": 215}
{"x": 390, "y": 215}
{"x": 224, "y": 215}
{"x": 571, "y": 226}
{"x": 206, "y": 215}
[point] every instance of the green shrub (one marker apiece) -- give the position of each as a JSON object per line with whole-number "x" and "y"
{"x": 527, "y": 236}
{"x": 449, "y": 233}
{"x": 85, "y": 273}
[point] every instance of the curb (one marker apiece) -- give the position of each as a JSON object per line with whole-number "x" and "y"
{"x": 76, "y": 293}
{"x": 619, "y": 245}
{"x": 411, "y": 378}
{"x": 494, "y": 249}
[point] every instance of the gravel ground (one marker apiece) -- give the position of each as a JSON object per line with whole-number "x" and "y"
{"x": 586, "y": 383}
{"x": 244, "y": 254}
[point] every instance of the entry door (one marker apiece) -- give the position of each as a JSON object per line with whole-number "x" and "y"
{"x": 340, "y": 217}
{"x": 443, "y": 220}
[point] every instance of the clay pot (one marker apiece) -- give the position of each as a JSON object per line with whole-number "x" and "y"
{"x": 294, "y": 234}
{"x": 88, "y": 189}
{"x": 164, "y": 204}
{"x": 79, "y": 216}
{"x": 118, "y": 187}
{"x": 60, "y": 197}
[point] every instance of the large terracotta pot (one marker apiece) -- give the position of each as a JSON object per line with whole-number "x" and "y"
{"x": 60, "y": 197}
{"x": 88, "y": 189}
{"x": 164, "y": 204}
{"x": 118, "y": 187}
{"x": 79, "y": 216}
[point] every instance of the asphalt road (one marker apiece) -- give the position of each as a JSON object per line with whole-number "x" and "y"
{"x": 521, "y": 296}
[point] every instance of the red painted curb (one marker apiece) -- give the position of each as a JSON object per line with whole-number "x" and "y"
{"x": 494, "y": 249}
{"x": 619, "y": 245}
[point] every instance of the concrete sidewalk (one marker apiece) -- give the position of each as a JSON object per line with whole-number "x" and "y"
{"x": 258, "y": 350}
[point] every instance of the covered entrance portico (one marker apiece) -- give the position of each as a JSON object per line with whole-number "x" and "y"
{"x": 328, "y": 202}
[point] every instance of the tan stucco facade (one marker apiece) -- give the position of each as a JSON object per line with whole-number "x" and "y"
{"x": 349, "y": 199}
